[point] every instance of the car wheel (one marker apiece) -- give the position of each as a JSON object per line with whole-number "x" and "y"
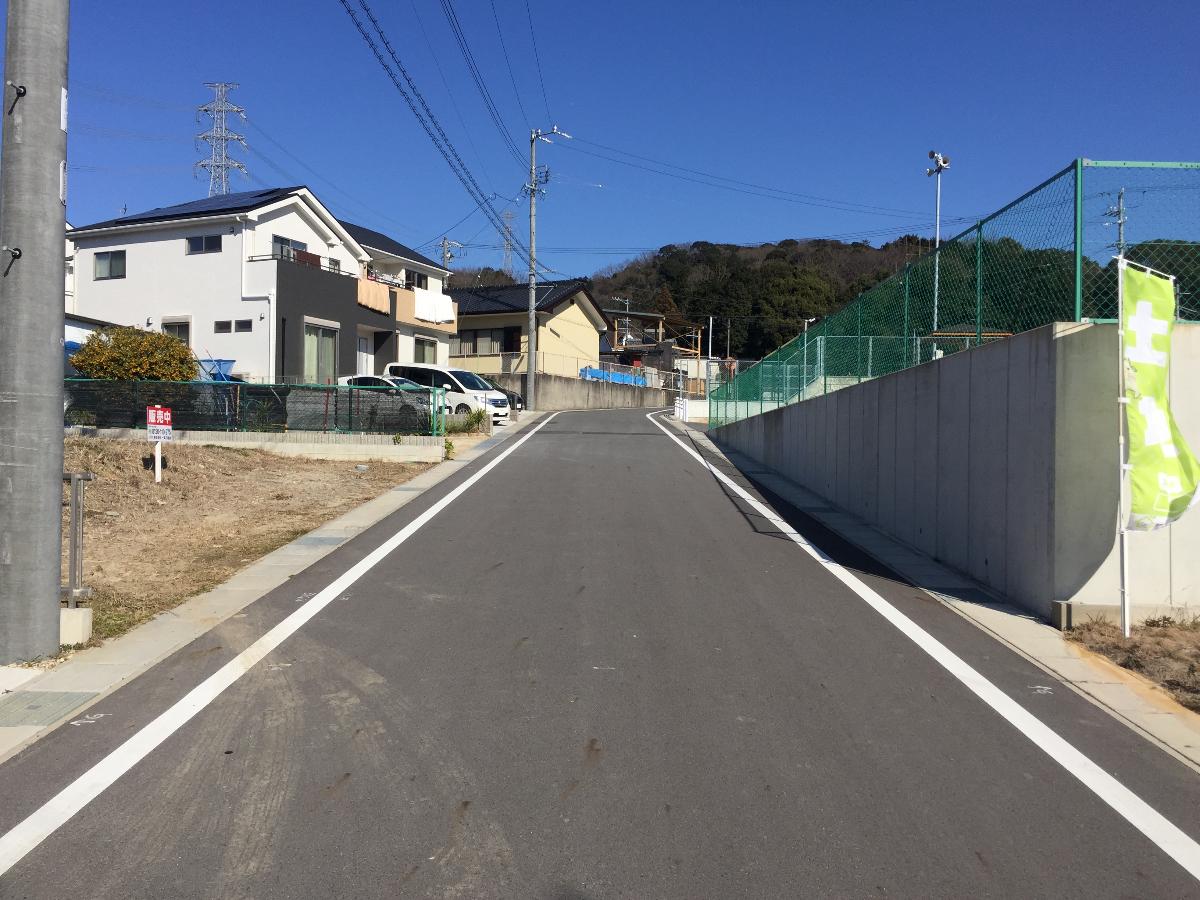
{"x": 462, "y": 409}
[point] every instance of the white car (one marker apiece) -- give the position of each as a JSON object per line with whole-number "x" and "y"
{"x": 465, "y": 391}
{"x": 385, "y": 382}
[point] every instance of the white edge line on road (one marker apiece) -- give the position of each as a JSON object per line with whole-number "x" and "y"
{"x": 1166, "y": 836}
{"x": 39, "y": 825}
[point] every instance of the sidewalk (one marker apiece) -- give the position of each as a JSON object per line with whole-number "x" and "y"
{"x": 1137, "y": 702}
{"x": 35, "y": 701}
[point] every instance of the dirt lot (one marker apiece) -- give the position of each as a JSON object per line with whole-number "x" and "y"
{"x": 149, "y": 547}
{"x": 1164, "y": 650}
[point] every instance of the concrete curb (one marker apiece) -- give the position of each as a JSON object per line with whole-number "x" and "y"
{"x": 95, "y": 673}
{"x": 1138, "y": 703}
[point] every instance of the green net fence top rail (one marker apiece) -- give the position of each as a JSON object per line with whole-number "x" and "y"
{"x": 237, "y": 406}
{"x": 1048, "y": 256}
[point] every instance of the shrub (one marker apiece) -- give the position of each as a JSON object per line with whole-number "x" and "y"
{"x": 473, "y": 421}
{"x": 131, "y": 354}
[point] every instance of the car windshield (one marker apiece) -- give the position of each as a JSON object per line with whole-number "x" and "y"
{"x": 397, "y": 381}
{"x": 470, "y": 380}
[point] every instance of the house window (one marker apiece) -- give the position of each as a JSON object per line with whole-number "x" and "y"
{"x": 110, "y": 264}
{"x": 416, "y": 280}
{"x": 243, "y": 325}
{"x": 334, "y": 265}
{"x": 181, "y": 330}
{"x": 463, "y": 343}
{"x": 320, "y": 354}
{"x": 424, "y": 350}
{"x": 489, "y": 341}
{"x": 222, "y": 326}
{"x": 205, "y": 243}
{"x": 285, "y": 248}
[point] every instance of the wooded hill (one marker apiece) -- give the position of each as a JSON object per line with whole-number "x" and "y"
{"x": 769, "y": 288}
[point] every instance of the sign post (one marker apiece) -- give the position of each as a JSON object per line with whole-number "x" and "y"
{"x": 158, "y": 429}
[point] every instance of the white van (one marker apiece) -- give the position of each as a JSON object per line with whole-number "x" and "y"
{"x": 465, "y": 391}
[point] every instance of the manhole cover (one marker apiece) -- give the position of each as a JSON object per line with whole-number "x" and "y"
{"x": 39, "y": 707}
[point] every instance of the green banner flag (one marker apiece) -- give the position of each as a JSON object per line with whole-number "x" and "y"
{"x": 1164, "y": 474}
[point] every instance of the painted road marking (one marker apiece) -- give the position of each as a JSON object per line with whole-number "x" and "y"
{"x": 1170, "y": 839}
{"x": 39, "y": 825}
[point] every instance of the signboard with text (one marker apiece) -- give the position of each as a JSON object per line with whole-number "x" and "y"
{"x": 158, "y": 423}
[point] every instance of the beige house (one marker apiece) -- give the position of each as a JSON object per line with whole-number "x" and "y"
{"x": 493, "y": 329}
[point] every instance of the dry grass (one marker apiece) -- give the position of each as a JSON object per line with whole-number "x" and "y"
{"x": 149, "y": 547}
{"x": 1165, "y": 650}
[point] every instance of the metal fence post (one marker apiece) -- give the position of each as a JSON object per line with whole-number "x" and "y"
{"x": 979, "y": 284}
{"x": 858, "y": 342}
{"x": 1079, "y": 240}
{"x": 906, "y": 270}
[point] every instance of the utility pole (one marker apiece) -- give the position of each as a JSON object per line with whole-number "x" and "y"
{"x": 448, "y": 248}
{"x": 32, "y": 273}
{"x": 219, "y": 164}
{"x": 536, "y": 180}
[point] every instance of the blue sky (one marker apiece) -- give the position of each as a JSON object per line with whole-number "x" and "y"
{"x": 839, "y": 101}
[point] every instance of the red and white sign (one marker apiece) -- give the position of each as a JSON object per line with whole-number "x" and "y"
{"x": 158, "y": 423}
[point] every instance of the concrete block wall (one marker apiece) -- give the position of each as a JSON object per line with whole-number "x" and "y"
{"x": 557, "y": 392}
{"x": 999, "y": 461}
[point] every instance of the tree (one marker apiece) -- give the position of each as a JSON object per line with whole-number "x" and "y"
{"x": 484, "y": 277}
{"x": 130, "y": 354}
{"x": 664, "y": 303}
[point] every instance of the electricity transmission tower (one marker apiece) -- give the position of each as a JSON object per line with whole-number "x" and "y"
{"x": 219, "y": 164}
{"x": 508, "y": 243}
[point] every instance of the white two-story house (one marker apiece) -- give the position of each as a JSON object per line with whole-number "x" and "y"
{"x": 267, "y": 282}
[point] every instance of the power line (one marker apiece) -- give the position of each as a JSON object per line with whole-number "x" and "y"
{"x": 465, "y": 49}
{"x": 508, "y": 63}
{"x": 357, "y": 202}
{"x": 427, "y": 120}
{"x": 866, "y": 207}
{"x": 537, "y": 59}
{"x": 450, "y": 94}
{"x": 774, "y": 195}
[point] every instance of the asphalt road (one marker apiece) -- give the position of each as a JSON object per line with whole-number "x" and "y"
{"x": 596, "y": 673}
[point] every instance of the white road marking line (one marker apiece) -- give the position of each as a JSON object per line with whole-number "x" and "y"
{"x": 1166, "y": 836}
{"x": 39, "y": 825}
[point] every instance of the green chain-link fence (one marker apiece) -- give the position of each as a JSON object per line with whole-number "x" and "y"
{"x": 236, "y": 406}
{"x": 1046, "y": 257}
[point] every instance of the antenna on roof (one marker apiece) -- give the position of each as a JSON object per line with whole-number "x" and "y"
{"x": 219, "y": 164}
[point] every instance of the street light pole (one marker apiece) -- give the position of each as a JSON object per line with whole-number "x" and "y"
{"x": 940, "y": 164}
{"x": 536, "y": 179}
{"x": 33, "y": 199}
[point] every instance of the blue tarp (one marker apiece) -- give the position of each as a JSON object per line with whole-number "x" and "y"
{"x": 591, "y": 374}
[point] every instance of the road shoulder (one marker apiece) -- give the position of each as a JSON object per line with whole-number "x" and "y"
{"x": 1141, "y": 705}
{"x": 34, "y": 702}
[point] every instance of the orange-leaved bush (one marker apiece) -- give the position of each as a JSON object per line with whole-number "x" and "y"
{"x": 130, "y": 354}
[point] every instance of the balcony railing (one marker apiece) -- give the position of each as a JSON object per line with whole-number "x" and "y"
{"x": 309, "y": 260}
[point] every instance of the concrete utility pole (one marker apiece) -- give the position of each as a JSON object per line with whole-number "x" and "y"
{"x": 448, "y": 248}
{"x": 536, "y": 180}
{"x": 32, "y": 260}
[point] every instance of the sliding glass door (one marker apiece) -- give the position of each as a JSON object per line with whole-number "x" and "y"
{"x": 320, "y": 354}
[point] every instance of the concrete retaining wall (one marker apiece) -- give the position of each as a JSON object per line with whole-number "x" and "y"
{"x": 556, "y": 392}
{"x": 313, "y": 444}
{"x": 999, "y": 461}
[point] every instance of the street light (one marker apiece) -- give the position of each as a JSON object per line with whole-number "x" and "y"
{"x": 536, "y": 179}
{"x": 940, "y": 164}
{"x": 807, "y": 322}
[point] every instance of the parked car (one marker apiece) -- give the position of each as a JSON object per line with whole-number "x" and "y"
{"x": 393, "y": 382}
{"x": 465, "y": 391}
{"x": 515, "y": 401}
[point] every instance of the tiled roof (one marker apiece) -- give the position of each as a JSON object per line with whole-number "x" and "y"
{"x": 380, "y": 241}
{"x": 512, "y": 298}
